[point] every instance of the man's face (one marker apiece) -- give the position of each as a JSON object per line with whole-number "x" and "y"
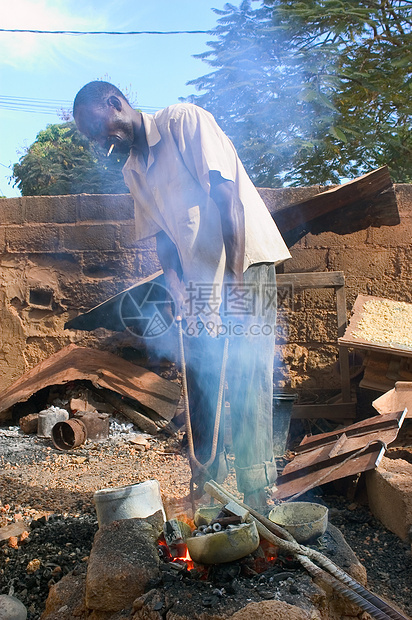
{"x": 106, "y": 125}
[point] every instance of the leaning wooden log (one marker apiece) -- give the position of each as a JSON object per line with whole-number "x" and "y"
{"x": 141, "y": 421}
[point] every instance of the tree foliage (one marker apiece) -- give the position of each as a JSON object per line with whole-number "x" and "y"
{"x": 314, "y": 91}
{"x": 63, "y": 161}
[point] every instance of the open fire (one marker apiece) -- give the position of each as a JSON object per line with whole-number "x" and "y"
{"x": 173, "y": 548}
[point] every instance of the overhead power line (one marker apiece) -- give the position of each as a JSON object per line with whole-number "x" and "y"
{"x": 46, "y": 106}
{"x": 82, "y": 32}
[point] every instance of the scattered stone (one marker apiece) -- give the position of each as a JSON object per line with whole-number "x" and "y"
{"x": 131, "y": 546}
{"x": 13, "y": 530}
{"x": 33, "y": 566}
{"x": 11, "y": 608}
{"x": 66, "y": 598}
{"x": 28, "y": 423}
{"x": 13, "y": 542}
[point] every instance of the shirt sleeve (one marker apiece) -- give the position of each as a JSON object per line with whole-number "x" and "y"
{"x": 203, "y": 145}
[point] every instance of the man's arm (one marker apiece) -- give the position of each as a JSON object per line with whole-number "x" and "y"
{"x": 172, "y": 269}
{"x": 232, "y": 219}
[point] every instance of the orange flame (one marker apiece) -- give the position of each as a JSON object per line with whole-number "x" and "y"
{"x": 183, "y": 557}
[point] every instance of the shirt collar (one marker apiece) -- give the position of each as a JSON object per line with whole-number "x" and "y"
{"x": 152, "y": 133}
{"x": 135, "y": 160}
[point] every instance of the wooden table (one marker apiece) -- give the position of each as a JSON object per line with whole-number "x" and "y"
{"x": 344, "y": 410}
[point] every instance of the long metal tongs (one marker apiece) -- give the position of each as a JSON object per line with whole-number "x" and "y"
{"x": 340, "y": 581}
{"x": 195, "y": 464}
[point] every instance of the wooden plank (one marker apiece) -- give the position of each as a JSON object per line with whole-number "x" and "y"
{"x": 141, "y": 421}
{"x": 362, "y": 188}
{"x": 343, "y": 353}
{"x": 337, "y": 411}
{"x": 315, "y": 279}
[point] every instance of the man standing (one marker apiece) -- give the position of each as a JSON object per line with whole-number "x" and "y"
{"x": 218, "y": 247}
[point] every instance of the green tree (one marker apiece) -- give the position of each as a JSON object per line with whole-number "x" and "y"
{"x": 314, "y": 91}
{"x": 63, "y": 161}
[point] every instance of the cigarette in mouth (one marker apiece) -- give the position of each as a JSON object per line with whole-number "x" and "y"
{"x": 110, "y": 150}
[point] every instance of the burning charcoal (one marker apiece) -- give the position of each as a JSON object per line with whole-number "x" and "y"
{"x": 164, "y": 553}
{"x": 175, "y": 533}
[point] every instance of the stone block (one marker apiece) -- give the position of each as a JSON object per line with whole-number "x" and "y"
{"x": 66, "y": 599}
{"x": 105, "y": 265}
{"x": 389, "y": 489}
{"x": 307, "y": 259}
{"x": 32, "y": 238}
{"x": 123, "y": 559}
{"x": 12, "y": 211}
{"x": 403, "y": 192}
{"x": 114, "y": 207}
{"x": 392, "y": 236}
{"x": 370, "y": 262}
{"x": 2, "y": 238}
{"x": 332, "y": 240}
{"x": 147, "y": 263}
{"x": 85, "y": 293}
{"x": 127, "y": 236}
{"x": 50, "y": 209}
{"x": 89, "y": 237}
{"x": 28, "y": 423}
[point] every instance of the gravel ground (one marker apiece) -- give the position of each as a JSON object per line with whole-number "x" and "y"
{"x": 52, "y": 491}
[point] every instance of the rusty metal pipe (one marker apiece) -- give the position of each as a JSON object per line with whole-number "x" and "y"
{"x": 69, "y": 434}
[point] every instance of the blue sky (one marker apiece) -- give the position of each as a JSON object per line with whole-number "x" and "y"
{"x": 155, "y": 68}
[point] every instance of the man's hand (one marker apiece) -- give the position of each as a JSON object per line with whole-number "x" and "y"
{"x": 169, "y": 260}
{"x": 178, "y": 292}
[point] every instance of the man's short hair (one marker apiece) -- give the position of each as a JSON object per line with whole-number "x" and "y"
{"x": 94, "y": 93}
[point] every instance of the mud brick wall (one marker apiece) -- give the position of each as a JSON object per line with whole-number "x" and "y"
{"x": 63, "y": 255}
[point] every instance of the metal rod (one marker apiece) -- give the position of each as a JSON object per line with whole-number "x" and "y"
{"x": 193, "y": 461}
{"x": 352, "y": 596}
